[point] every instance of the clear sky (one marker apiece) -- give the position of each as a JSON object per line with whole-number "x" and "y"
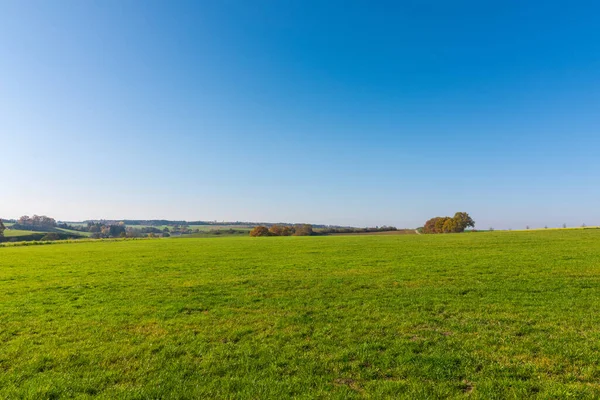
{"x": 341, "y": 112}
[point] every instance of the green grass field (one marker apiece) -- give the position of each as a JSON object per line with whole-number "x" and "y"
{"x": 17, "y": 233}
{"x": 397, "y": 232}
{"x": 488, "y": 315}
{"x": 74, "y": 232}
{"x": 211, "y": 227}
{"x": 240, "y": 232}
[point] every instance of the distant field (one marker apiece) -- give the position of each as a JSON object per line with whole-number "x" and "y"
{"x": 76, "y": 223}
{"x": 73, "y": 232}
{"x": 17, "y": 233}
{"x": 398, "y": 232}
{"x": 206, "y": 233}
{"x": 492, "y": 315}
{"x": 210, "y": 227}
{"x": 201, "y": 227}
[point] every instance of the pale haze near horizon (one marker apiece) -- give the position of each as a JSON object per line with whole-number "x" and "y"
{"x": 301, "y": 112}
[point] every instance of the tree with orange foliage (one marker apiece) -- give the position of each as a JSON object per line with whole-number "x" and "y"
{"x": 259, "y": 231}
{"x": 276, "y": 230}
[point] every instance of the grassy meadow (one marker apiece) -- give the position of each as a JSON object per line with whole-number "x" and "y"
{"x": 28, "y": 235}
{"x": 486, "y": 315}
{"x": 74, "y": 232}
{"x": 13, "y": 233}
{"x": 226, "y": 233}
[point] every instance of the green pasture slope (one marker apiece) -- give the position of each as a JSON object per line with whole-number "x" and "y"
{"x": 73, "y": 232}
{"x": 16, "y": 233}
{"x": 489, "y": 315}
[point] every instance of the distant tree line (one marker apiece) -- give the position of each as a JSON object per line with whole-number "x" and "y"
{"x": 458, "y": 223}
{"x": 97, "y": 229}
{"x": 35, "y": 223}
{"x": 180, "y": 223}
{"x": 329, "y": 230}
{"x": 107, "y": 231}
{"x": 41, "y": 227}
{"x": 219, "y": 232}
{"x": 115, "y": 229}
{"x": 181, "y": 229}
{"x": 112, "y": 229}
{"x": 225, "y": 232}
{"x": 280, "y": 230}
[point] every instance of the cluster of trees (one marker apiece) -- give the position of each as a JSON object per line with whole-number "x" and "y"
{"x": 182, "y": 229}
{"x": 183, "y": 225}
{"x": 229, "y": 231}
{"x": 112, "y": 229}
{"x": 130, "y": 232}
{"x": 35, "y": 223}
{"x": 151, "y": 229}
{"x": 41, "y": 227}
{"x": 283, "y": 230}
{"x": 123, "y": 231}
{"x": 175, "y": 223}
{"x": 99, "y": 229}
{"x": 458, "y": 223}
{"x": 108, "y": 231}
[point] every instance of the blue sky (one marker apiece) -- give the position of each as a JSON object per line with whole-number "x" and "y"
{"x": 341, "y": 112}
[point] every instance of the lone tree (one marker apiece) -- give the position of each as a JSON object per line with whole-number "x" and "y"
{"x": 2, "y": 228}
{"x": 463, "y": 221}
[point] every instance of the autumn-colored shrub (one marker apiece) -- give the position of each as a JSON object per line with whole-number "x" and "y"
{"x": 259, "y": 231}
{"x": 286, "y": 231}
{"x": 276, "y": 230}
